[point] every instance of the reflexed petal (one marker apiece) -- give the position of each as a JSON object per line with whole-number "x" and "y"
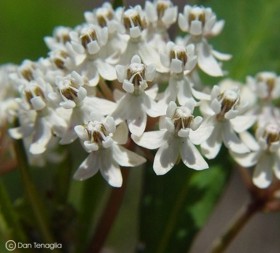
{"x": 206, "y": 60}
{"x": 126, "y": 158}
{"x": 166, "y": 158}
{"x": 247, "y": 159}
{"x": 221, "y": 56}
{"x": 88, "y": 168}
{"x": 69, "y": 136}
{"x": 250, "y": 141}
{"x": 191, "y": 156}
{"x": 204, "y": 131}
{"x": 107, "y": 71}
{"x": 41, "y": 137}
{"x": 152, "y": 108}
{"x": 243, "y": 122}
{"x": 263, "y": 174}
{"x": 121, "y": 134}
{"x": 110, "y": 170}
{"x": 137, "y": 123}
{"x": 100, "y": 105}
{"x": 212, "y": 146}
{"x": 217, "y": 27}
{"x": 232, "y": 141}
{"x": 151, "y": 140}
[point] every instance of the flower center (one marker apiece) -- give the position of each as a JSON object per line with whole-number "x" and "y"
{"x": 87, "y": 37}
{"x": 27, "y": 72}
{"x": 269, "y": 81}
{"x": 96, "y": 132}
{"x": 229, "y": 100}
{"x": 33, "y": 91}
{"x": 197, "y": 14}
{"x": 132, "y": 19}
{"x": 161, "y": 8}
{"x": 62, "y": 36}
{"x": 135, "y": 73}
{"x": 59, "y": 59}
{"x": 182, "y": 119}
{"x": 179, "y": 52}
{"x": 103, "y": 16}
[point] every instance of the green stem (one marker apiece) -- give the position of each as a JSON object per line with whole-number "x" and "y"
{"x": 63, "y": 179}
{"x": 108, "y": 216}
{"x": 32, "y": 195}
{"x": 241, "y": 219}
{"x": 10, "y": 216}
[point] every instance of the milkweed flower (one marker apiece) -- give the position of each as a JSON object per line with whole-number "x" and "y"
{"x": 201, "y": 24}
{"x": 224, "y": 118}
{"x": 137, "y": 103}
{"x": 102, "y": 140}
{"x": 174, "y": 140}
{"x": 265, "y": 155}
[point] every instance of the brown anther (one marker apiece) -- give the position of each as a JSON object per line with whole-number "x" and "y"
{"x": 182, "y": 122}
{"x": 60, "y": 59}
{"x": 161, "y": 7}
{"x": 179, "y": 54}
{"x": 103, "y": 17}
{"x": 137, "y": 71}
{"x": 132, "y": 19}
{"x": 27, "y": 73}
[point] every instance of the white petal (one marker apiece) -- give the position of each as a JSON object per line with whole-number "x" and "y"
{"x": 150, "y": 140}
{"x": 263, "y": 175}
{"x": 88, "y": 168}
{"x": 221, "y": 56}
{"x": 247, "y": 159}
{"x": 249, "y": 140}
{"x": 100, "y": 105}
{"x": 191, "y": 156}
{"x": 204, "y": 131}
{"x": 107, "y": 71}
{"x": 121, "y": 73}
{"x": 152, "y": 108}
{"x": 218, "y": 27}
{"x": 110, "y": 170}
{"x": 166, "y": 158}
{"x": 232, "y": 141}
{"x": 207, "y": 62}
{"x": 121, "y": 134}
{"x": 243, "y": 122}
{"x": 183, "y": 23}
{"x": 137, "y": 123}
{"x": 41, "y": 137}
{"x": 69, "y": 136}
{"x": 212, "y": 146}
{"x": 126, "y": 158}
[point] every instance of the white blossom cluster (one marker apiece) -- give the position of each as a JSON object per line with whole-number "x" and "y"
{"x": 120, "y": 77}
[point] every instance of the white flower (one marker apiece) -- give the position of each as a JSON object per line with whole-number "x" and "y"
{"x": 136, "y": 103}
{"x": 266, "y": 86}
{"x": 265, "y": 156}
{"x": 201, "y": 23}
{"x": 180, "y": 61}
{"x": 161, "y": 14}
{"x": 134, "y": 22}
{"x": 43, "y": 121}
{"x": 71, "y": 95}
{"x": 225, "y": 118}
{"x": 105, "y": 152}
{"x": 174, "y": 140}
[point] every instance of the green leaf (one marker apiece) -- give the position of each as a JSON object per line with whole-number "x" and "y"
{"x": 175, "y": 206}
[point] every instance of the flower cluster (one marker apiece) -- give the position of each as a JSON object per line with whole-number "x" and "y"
{"x": 120, "y": 76}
